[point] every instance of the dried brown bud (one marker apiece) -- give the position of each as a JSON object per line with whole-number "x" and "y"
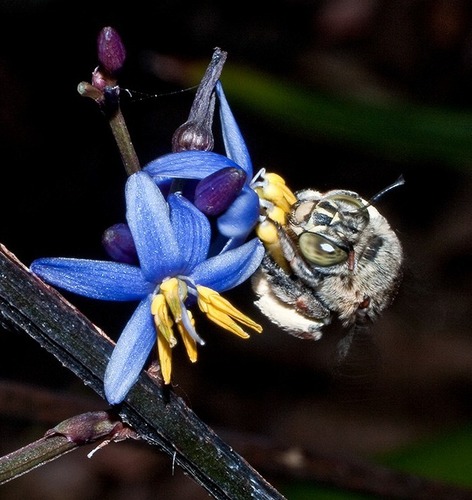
{"x": 192, "y": 136}
{"x": 195, "y": 133}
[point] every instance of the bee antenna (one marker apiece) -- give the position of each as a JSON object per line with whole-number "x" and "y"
{"x": 399, "y": 182}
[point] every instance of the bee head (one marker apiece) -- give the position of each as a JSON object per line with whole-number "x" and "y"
{"x": 329, "y": 233}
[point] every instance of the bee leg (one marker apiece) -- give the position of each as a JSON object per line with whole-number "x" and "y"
{"x": 292, "y": 291}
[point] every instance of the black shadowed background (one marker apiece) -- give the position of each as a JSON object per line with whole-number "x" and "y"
{"x": 390, "y": 86}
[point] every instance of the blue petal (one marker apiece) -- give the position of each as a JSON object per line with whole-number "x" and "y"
{"x": 235, "y": 145}
{"x": 148, "y": 219}
{"x": 192, "y": 229}
{"x": 230, "y": 268}
{"x": 235, "y": 242}
{"x": 187, "y": 165}
{"x": 241, "y": 216}
{"x": 96, "y": 279}
{"x": 130, "y": 353}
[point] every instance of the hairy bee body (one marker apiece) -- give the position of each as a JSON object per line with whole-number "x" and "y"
{"x": 336, "y": 256}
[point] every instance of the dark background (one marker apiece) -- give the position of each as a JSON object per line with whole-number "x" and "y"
{"x": 408, "y": 380}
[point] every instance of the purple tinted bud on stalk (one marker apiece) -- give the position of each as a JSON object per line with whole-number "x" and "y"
{"x": 215, "y": 193}
{"x": 192, "y": 136}
{"x": 99, "y": 80}
{"x": 196, "y": 134}
{"x": 119, "y": 244}
{"x": 111, "y": 51}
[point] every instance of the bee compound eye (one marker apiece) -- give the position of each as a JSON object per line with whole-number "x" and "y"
{"x": 320, "y": 251}
{"x": 348, "y": 199}
{"x": 349, "y": 205}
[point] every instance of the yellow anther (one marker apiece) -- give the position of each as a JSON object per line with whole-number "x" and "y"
{"x": 162, "y": 320}
{"x": 227, "y": 323}
{"x": 175, "y": 292}
{"x": 188, "y": 340}
{"x": 267, "y": 232}
{"x": 164, "y": 351}
{"x": 281, "y": 190}
{"x": 223, "y": 313}
{"x": 277, "y": 214}
{"x": 273, "y": 193}
{"x": 276, "y": 191}
{"x": 168, "y": 310}
{"x": 278, "y": 181}
{"x": 274, "y": 178}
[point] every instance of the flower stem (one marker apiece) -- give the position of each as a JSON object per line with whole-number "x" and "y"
{"x": 81, "y": 429}
{"x": 110, "y": 106}
{"x": 124, "y": 143}
{"x": 108, "y": 100}
{"x": 33, "y": 455}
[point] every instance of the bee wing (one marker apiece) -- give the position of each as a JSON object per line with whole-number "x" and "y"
{"x": 357, "y": 359}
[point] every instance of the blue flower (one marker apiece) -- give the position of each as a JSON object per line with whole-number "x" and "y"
{"x": 263, "y": 194}
{"x": 237, "y": 222}
{"x": 172, "y": 240}
{"x": 199, "y": 165}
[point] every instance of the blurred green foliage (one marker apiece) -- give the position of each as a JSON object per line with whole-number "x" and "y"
{"x": 401, "y": 130}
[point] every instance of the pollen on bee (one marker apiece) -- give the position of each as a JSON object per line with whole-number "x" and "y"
{"x": 267, "y": 231}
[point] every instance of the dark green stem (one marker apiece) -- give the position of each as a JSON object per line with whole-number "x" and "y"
{"x": 33, "y": 455}
{"x": 81, "y": 429}
{"x": 157, "y": 416}
{"x": 161, "y": 418}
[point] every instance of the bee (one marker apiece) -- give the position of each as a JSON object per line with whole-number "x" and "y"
{"x": 336, "y": 256}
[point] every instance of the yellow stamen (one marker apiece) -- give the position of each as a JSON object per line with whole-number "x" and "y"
{"x": 222, "y": 312}
{"x": 280, "y": 182}
{"x": 162, "y": 320}
{"x": 227, "y": 323}
{"x": 267, "y": 232}
{"x": 277, "y": 214}
{"x": 175, "y": 292}
{"x": 188, "y": 340}
{"x": 165, "y": 358}
{"x": 276, "y": 191}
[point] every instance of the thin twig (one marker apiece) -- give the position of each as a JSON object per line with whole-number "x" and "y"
{"x": 86, "y": 428}
{"x": 35, "y": 454}
{"x": 274, "y": 459}
{"x": 124, "y": 143}
{"x": 109, "y": 103}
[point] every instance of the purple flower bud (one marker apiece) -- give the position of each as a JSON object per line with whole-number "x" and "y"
{"x": 119, "y": 245}
{"x": 215, "y": 193}
{"x": 111, "y": 51}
